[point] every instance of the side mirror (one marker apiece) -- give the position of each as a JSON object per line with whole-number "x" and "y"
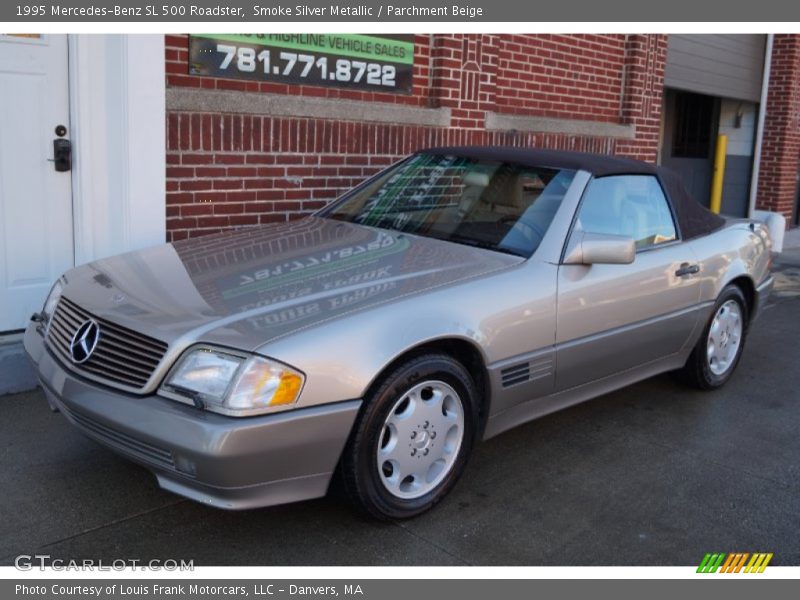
{"x": 586, "y": 248}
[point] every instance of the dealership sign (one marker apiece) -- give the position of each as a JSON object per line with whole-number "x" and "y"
{"x": 367, "y": 62}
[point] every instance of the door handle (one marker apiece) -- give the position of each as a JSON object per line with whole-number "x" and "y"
{"x": 687, "y": 269}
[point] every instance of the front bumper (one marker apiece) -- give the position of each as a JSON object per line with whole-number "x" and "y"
{"x": 226, "y": 462}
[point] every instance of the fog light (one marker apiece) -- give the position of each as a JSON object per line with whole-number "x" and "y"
{"x": 185, "y": 465}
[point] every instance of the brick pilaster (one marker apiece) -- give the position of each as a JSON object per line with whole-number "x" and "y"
{"x": 777, "y": 182}
{"x": 645, "y": 61}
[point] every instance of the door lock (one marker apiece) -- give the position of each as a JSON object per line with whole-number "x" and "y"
{"x": 62, "y": 154}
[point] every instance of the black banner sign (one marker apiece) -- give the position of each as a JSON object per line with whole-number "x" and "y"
{"x": 379, "y": 63}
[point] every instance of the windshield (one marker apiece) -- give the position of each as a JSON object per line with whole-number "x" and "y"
{"x": 496, "y": 205}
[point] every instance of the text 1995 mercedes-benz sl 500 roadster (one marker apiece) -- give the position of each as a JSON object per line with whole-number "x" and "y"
{"x": 454, "y": 295}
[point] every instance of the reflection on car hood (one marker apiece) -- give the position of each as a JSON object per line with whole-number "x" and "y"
{"x": 245, "y": 288}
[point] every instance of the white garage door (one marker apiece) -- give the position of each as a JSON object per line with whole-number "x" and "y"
{"x": 726, "y": 65}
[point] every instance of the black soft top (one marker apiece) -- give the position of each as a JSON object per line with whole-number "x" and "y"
{"x": 596, "y": 164}
{"x": 693, "y": 218}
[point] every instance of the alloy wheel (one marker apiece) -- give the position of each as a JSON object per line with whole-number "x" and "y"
{"x": 724, "y": 337}
{"x": 420, "y": 439}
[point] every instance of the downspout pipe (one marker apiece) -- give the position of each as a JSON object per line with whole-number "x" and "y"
{"x": 762, "y": 113}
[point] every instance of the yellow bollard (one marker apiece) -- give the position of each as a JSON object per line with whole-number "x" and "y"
{"x": 719, "y": 173}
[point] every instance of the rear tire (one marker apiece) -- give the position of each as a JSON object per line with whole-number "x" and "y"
{"x": 412, "y": 439}
{"x": 717, "y": 353}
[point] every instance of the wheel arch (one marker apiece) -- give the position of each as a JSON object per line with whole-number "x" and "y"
{"x": 746, "y": 284}
{"x": 462, "y": 349}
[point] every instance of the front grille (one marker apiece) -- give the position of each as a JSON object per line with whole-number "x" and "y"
{"x": 122, "y": 441}
{"x": 122, "y": 356}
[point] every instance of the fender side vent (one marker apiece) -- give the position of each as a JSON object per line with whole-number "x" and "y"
{"x": 515, "y": 374}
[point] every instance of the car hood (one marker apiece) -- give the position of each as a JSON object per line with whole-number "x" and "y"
{"x": 243, "y": 289}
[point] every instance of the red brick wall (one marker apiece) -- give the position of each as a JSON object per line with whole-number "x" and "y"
{"x": 780, "y": 155}
{"x": 568, "y": 76}
{"x": 230, "y": 170}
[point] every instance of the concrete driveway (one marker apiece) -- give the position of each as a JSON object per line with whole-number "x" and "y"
{"x": 655, "y": 474}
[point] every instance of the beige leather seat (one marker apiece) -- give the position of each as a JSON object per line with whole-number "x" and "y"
{"x": 502, "y": 198}
{"x": 475, "y": 183}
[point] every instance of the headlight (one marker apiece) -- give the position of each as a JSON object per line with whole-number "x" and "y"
{"x": 233, "y": 384}
{"x": 207, "y": 373}
{"x": 52, "y": 300}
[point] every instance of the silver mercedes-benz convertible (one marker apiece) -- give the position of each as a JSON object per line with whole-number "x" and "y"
{"x": 454, "y": 295}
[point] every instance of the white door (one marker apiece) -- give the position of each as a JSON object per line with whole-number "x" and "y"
{"x": 36, "y": 243}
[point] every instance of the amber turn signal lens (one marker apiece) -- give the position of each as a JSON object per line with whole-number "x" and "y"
{"x": 288, "y": 389}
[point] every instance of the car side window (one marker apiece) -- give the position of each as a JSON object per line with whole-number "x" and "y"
{"x": 629, "y": 205}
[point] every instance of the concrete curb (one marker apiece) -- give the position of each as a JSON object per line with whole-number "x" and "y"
{"x": 791, "y": 239}
{"x": 16, "y": 372}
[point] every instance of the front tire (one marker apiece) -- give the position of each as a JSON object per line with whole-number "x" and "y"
{"x": 717, "y": 353}
{"x": 412, "y": 439}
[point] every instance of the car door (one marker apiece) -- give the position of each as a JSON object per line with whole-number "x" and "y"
{"x": 613, "y": 317}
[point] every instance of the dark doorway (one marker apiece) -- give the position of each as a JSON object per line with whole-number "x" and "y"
{"x": 690, "y": 131}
